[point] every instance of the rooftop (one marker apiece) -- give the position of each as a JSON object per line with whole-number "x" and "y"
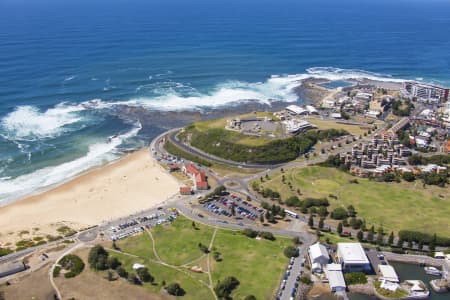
{"x": 352, "y": 253}
{"x": 388, "y": 273}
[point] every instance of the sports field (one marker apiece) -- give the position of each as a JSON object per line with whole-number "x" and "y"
{"x": 394, "y": 205}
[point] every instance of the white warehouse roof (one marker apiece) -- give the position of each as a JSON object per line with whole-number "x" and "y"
{"x": 311, "y": 109}
{"x": 335, "y": 277}
{"x": 352, "y": 253}
{"x": 296, "y": 109}
{"x": 388, "y": 273}
{"x": 318, "y": 250}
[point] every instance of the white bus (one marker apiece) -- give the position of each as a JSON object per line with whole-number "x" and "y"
{"x": 291, "y": 214}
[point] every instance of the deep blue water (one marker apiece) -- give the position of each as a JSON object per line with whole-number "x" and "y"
{"x": 55, "y": 56}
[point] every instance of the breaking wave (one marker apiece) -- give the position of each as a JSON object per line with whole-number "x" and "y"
{"x": 29, "y": 123}
{"x": 97, "y": 154}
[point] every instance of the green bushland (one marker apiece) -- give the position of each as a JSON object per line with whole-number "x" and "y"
{"x": 439, "y": 159}
{"x": 66, "y": 231}
{"x": 73, "y": 264}
{"x": 56, "y": 271}
{"x": 355, "y": 278}
{"x": 174, "y": 150}
{"x": 5, "y": 251}
{"x": 395, "y": 206}
{"x": 426, "y": 238}
{"x": 226, "y": 144}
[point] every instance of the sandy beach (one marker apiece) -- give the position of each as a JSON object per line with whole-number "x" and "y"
{"x": 133, "y": 183}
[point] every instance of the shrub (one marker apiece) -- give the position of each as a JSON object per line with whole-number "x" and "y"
{"x": 293, "y": 201}
{"x": 175, "y": 289}
{"x": 355, "y": 278}
{"x": 305, "y": 279}
{"x": 73, "y": 264}
{"x": 339, "y": 213}
{"x": 122, "y": 272}
{"x": 56, "y": 271}
{"x": 250, "y": 233}
{"x": 5, "y": 251}
{"x": 113, "y": 263}
{"x": 224, "y": 288}
{"x": 144, "y": 275}
{"x": 267, "y": 235}
{"x": 132, "y": 278}
{"x": 290, "y": 251}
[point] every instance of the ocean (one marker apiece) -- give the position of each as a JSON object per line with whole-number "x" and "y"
{"x": 72, "y": 71}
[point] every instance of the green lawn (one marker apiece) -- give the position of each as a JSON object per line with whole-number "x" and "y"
{"x": 396, "y": 206}
{"x": 257, "y": 264}
{"x": 177, "y": 244}
{"x": 194, "y": 289}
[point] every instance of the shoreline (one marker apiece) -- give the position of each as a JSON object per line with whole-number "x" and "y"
{"x": 130, "y": 184}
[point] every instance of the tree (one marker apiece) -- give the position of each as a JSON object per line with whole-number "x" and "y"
{"x": 250, "y": 297}
{"x": 339, "y": 228}
{"x": 132, "y": 278}
{"x": 224, "y": 288}
{"x": 113, "y": 263}
{"x": 175, "y": 289}
{"x": 296, "y": 240}
{"x": 432, "y": 245}
{"x": 321, "y": 223}
{"x": 250, "y": 233}
{"x": 98, "y": 258}
{"x": 322, "y": 211}
{"x": 360, "y": 235}
{"x": 122, "y": 272}
{"x": 267, "y": 235}
{"x": 261, "y": 218}
{"x": 110, "y": 276}
{"x": 203, "y": 248}
{"x": 391, "y": 238}
{"x": 339, "y": 213}
{"x": 380, "y": 238}
{"x": 311, "y": 221}
{"x": 370, "y": 235}
{"x": 408, "y": 176}
{"x": 290, "y": 251}
{"x": 144, "y": 275}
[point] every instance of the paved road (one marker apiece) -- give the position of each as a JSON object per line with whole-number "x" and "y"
{"x": 194, "y": 151}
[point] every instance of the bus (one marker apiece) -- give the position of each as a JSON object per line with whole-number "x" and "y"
{"x": 291, "y": 214}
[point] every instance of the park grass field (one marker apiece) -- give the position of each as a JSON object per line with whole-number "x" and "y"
{"x": 257, "y": 264}
{"x": 234, "y": 136}
{"x": 330, "y": 124}
{"x": 395, "y": 206}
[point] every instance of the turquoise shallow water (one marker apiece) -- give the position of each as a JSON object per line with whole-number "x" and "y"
{"x": 67, "y": 66}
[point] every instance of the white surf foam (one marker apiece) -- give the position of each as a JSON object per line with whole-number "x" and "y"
{"x": 277, "y": 87}
{"x": 28, "y": 122}
{"x": 44, "y": 178}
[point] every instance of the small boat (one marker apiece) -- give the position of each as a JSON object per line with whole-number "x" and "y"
{"x": 432, "y": 271}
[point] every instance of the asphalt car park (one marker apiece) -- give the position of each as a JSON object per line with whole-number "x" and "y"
{"x": 232, "y": 206}
{"x": 139, "y": 223}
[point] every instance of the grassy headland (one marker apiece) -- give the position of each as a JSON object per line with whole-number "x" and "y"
{"x": 395, "y": 206}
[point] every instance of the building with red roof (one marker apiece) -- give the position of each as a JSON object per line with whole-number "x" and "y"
{"x": 185, "y": 190}
{"x": 199, "y": 178}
